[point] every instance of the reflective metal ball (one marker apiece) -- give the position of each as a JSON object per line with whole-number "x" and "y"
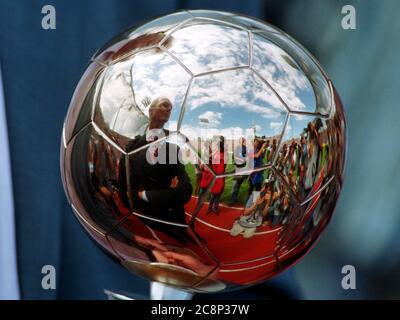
{"x": 204, "y": 150}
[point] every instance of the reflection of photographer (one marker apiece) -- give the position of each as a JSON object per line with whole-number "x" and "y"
{"x": 257, "y": 208}
{"x": 158, "y": 189}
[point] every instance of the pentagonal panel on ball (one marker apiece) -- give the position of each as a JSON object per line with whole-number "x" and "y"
{"x": 296, "y": 61}
{"x": 95, "y": 179}
{"x": 130, "y": 87}
{"x": 83, "y": 101}
{"x": 284, "y": 74}
{"x": 203, "y": 46}
{"x": 156, "y": 75}
{"x": 233, "y": 116}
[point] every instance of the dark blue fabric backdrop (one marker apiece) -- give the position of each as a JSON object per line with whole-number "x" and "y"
{"x": 40, "y": 71}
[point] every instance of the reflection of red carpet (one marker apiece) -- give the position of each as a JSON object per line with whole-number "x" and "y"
{"x": 214, "y": 230}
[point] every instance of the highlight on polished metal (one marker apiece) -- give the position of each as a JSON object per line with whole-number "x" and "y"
{"x": 204, "y": 150}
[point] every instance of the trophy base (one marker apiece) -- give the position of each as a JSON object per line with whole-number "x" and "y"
{"x": 158, "y": 291}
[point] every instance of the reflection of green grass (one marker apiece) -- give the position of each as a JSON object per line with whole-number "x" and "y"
{"x": 226, "y": 195}
{"x": 189, "y": 168}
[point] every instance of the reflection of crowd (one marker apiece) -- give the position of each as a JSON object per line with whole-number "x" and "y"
{"x": 317, "y": 164}
{"x": 306, "y": 161}
{"x": 251, "y": 158}
{"x": 269, "y": 206}
{"x": 108, "y": 175}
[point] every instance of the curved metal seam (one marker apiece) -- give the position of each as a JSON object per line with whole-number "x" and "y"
{"x": 183, "y": 107}
{"x": 131, "y": 54}
{"x": 235, "y": 26}
{"x": 250, "y": 34}
{"x": 227, "y": 230}
{"x": 176, "y": 60}
{"x": 160, "y": 220}
{"x": 176, "y": 28}
{"x": 78, "y": 132}
{"x": 273, "y": 90}
{"x": 149, "y": 145}
{"x": 245, "y": 172}
{"x": 206, "y": 73}
{"x": 112, "y": 143}
{"x": 318, "y": 192}
{"x": 261, "y": 265}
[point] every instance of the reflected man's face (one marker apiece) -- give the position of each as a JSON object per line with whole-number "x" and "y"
{"x": 161, "y": 113}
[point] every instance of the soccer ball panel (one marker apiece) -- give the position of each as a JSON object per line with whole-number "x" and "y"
{"x": 297, "y": 65}
{"x": 83, "y": 100}
{"x": 226, "y": 47}
{"x": 232, "y": 106}
{"x": 129, "y": 89}
{"x": 284, "y": 75}
{"x": 96, "y": 186}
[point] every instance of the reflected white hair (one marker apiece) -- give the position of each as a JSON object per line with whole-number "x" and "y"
{"x": 158, "y": 102}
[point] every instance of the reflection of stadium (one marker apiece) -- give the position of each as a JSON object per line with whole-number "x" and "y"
{"x": 266, "y": 146}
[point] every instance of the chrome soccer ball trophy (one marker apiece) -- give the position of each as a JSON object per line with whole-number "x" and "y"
{"x": 204, "y": 150}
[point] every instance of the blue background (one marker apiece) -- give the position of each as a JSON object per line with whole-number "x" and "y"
{"x": 41, "y": 69}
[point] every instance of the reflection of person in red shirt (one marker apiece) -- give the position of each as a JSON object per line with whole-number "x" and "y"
{"x": 217, "y": 164}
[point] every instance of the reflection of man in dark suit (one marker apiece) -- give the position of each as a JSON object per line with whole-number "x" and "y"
{"x": 159, "y": 183}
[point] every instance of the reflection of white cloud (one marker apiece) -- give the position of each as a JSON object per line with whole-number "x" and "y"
{"x": 283, "y": 74}
{"x": 204, "y": 46}
{"x": 238, "y": 89}
{"x": 210, "y": 118}
{"x": 157, "y": 75}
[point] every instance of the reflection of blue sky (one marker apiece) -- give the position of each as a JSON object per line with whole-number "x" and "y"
{"x": 204, "y": 46}
{"x": 229, "y": 102}
{"x": 284, "y": 75}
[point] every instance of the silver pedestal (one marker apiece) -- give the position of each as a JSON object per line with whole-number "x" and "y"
{"x": 158, "y": 291}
